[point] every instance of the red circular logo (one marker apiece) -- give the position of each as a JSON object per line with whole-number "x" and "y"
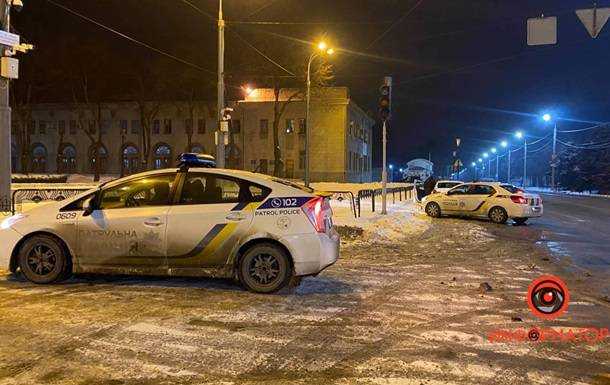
{"x": 548, "y": 297}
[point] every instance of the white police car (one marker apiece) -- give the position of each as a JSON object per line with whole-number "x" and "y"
{"x": 497, "y": 201}
{"x": 184, "y": 222}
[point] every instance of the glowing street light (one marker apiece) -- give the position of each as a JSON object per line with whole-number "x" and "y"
{"x": 480, "y": 160}
{"x": 547, "y": 117}
{"x": 519, "y": 135}
{"x": 322, "y": 46}
{"x": 493, "y": 150}
{"x": 504, "y": 144}
{"x": 473, "y": 164}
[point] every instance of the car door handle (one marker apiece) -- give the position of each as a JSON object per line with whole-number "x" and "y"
{"x": 236, "y": 217}
{"x": 153, "y": 222}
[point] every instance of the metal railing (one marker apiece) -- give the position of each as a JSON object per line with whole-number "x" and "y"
{"x": 37, "y": 195}
{"x": 403, "y": 193}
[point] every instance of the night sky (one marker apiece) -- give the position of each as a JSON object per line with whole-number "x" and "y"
{"x": 460, "y": 67}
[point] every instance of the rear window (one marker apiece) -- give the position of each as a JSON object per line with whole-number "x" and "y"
{"x": 292, "y": 184}
{"x": 448, "y": 184}
{"x": 512, "y": 189}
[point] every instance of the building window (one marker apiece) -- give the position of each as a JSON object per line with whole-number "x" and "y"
{"x": 42, "y": 127}
{"x": 201, "y": 126}
{"x": 32, "y": 127}
{"x": 302, "y": 126}
{"x": 263, "y": 131}
{"x": 263, "y": 166}
{"x": 289, "y": 142}
{"x": 156, "y": 128}
{"x": 66, "y": 161}
{"x": 72, "y": 127}
{"x": 124, "y": 125}
{"x": 163, "y": 156}
{"x": 135, "y": 127}
{"x": 235, "y": 126}
{"x": 301, "y": 160}
{"x": 167, "y": 127}
{"x": 289, "y": 126}
{"x": 39, "y": 158}
{"x": 131, "y": 159}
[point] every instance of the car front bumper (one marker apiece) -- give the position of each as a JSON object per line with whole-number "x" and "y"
{"x": 312, "y": 253}
{"x": 8, "y": 240}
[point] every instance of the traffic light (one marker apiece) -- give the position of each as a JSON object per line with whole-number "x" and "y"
{"x": 385, "y": 101}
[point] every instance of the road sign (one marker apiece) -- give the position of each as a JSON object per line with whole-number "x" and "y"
{"x": 10, "y": 39}
{"x": 593, "y": 19}
{"x": 542, "y": 31}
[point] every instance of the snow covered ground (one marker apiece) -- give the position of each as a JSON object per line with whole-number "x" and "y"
{"x": 582, "y": 193}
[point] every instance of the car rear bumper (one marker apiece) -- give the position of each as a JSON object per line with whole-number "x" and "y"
{"x": 8, "y": 240}
{"x": 525, "y": 211}
{"x": 314, "y": 252}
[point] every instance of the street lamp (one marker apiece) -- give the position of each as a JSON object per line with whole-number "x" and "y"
{"x": 323, "y": 49}
{"x": 547, "y": 118}
{"x": 521, "y": 135}
{"x": 495, "y": 151}
{"x": 248, "y": 90}
{"x": 505, "y": 144}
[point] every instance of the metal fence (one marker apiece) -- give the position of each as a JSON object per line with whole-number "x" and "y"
{"x": 37, "y": 195}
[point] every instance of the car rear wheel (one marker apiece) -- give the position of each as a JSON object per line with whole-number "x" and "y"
{"x": 264, "y": 268}
{"x": 42, "y": 259}
{"x": 433, "y": 210}
{"x": 498, "y": 215}
{"x": 520, "y": 221}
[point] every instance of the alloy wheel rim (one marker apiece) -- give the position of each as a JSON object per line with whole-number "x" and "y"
{"x": 42, "y": 260}
{"x": 264, "y": 269}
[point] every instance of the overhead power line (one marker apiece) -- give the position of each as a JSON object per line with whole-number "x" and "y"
{"x": 133, "y": 40}
{"x": 605, "y": 125}
{"x": 398, "y": 21}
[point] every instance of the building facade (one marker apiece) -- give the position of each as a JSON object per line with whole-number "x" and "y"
{"x": 63, "y": 138}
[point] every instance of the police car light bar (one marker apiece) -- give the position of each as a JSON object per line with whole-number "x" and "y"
{"x": 190, "y": 159}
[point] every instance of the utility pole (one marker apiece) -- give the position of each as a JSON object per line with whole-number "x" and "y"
{"x": 554, "y": 157}
{"x": 497, "y": 167}
{"x": 220, "y": 134}
{"x": 508, "y": 172}
{"x": 524, "y": 162}
{"x": 5, "y": 121}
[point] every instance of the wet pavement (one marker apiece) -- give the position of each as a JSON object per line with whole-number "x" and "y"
{"x": 402, "y": 311}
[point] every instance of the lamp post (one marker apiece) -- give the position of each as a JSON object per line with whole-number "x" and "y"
{"x": 521, "y": 135}
{"x": 474, "y": 173}
{"x": 494, "y": 151}
{"x": 123, "y": 159}
{"x": 504, "y": 144}
{"x": 548, "y": 118}
{"x": 486, "y": 156}
{"x": 324, "y": 49}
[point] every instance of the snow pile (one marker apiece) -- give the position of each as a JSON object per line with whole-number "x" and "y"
{"x": 403, "y": 219}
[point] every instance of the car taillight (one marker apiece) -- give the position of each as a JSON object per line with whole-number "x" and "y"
{"x": 518, "y": 199}
{"x": 316, "y": 210}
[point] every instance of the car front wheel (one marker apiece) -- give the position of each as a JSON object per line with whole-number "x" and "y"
{"x": 433, "y": 210}
{"x": 498, "y": 215}
{"x": 265, "y": 268}
{"x": 42, "y": 259}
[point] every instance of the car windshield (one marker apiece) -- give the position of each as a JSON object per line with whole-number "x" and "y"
{"x": 448, "y": 184}
{"x": 512, "y": 189}
{"x": 292, "y": 184}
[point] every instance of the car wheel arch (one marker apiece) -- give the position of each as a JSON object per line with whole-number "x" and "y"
{"x": 259, "y": 240}
{"x": 14, "y": 261}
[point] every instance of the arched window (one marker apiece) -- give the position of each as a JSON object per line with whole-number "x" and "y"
{"x": 102, "y": 156}
{"x": 163, "y": 156}
{"x": 197, "y": 148}
{"x": 66, "y": 161}
{"x": 14, "y": 157}
{"x": 131, "y": 159}
{"x": 39, "y": 158}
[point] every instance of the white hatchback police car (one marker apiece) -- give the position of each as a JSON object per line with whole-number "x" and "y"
{"x": 497, "y": 201}
{"x": 259, "y": 229}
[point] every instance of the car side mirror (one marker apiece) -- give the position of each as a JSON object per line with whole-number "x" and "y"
{"x": 89, "y": 206}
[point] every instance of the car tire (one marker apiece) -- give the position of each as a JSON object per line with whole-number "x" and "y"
{"x": 433, "y": 210}
{"x": 498, "y": 215}
{"x": 264, "y": 268}
{"x": 43, "y": 260}
{"x": 520, "y": 221}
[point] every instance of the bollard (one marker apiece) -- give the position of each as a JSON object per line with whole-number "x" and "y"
{"x": 373, "y": 200}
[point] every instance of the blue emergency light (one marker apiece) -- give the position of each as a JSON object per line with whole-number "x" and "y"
{"x": 190, "y": 159}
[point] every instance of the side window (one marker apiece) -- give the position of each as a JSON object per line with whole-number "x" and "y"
{"x": 77, "y": 205}
{"x": 481, "y": 190}
{"x": 151, "y": 191}
{"x": 460, "y": 190}
{"x": 210, "y": 189}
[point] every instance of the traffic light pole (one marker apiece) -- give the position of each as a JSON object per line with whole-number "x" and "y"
{"x": 384, "y": 172}
{"x": 220, "y": 135}
{"x": 5, "y": 125}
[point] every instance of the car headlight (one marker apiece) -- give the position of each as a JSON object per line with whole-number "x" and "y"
{"x": 11, "y": 221}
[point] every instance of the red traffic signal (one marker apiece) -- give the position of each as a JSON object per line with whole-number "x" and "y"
{"x": 385, "y": 103}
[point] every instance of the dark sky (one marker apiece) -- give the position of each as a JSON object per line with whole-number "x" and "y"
{"x": 460, "y": 67}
